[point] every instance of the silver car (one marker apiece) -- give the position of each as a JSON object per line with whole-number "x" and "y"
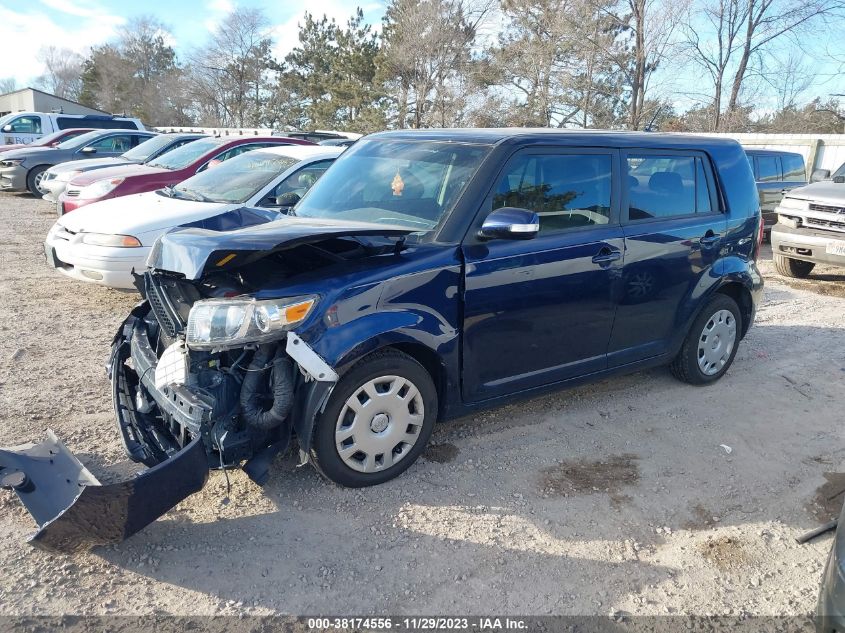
{"x": 24, "y": 169}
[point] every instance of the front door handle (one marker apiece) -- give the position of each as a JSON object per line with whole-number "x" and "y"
{"x": 607, "y": 255}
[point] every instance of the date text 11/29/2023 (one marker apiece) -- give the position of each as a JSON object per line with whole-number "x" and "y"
{"x": 419, "y": 623}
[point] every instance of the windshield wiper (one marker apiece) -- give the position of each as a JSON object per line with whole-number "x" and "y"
{"x": 169, "y": 191}
{"x": 193, "y": 195}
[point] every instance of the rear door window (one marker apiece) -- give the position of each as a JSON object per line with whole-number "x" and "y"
{"x": 768, "y": 169}
{"x": 666, "y": 186}
{"x": 567, "y": 191}
{"x": 793, "y": 168}
{"x": 118, "y": 143}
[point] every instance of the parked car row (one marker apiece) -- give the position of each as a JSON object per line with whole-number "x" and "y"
{"x": 109, "y": 242}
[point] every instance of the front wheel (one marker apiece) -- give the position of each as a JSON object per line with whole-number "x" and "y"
{"x": 378, "y": 420}
{"x": 711, "y": 344}
{"x": 33, "y": 181}
{"x": 795, "y": 268}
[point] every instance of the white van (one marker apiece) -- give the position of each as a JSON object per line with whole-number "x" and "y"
{"x": 25, "y": 127}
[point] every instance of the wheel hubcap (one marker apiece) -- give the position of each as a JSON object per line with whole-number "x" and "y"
{"x": 38, "y": 179}
{"x": 716, "y": 342}
{"x": 379, "y": 424}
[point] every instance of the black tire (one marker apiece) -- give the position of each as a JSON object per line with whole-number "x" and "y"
{"x": 31, "y": 177}
{"x": 685, "y": 367}
{"x": 389, "y": 362}
{"x": 795, "y": 268}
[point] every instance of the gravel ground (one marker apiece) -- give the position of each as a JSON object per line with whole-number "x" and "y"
{"x": 616, "y": 496}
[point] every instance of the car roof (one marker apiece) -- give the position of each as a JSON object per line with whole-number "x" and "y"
{"x": 494, "y": 136}
{"x": 778, "y": 152}
{"x": 302, "y": 152}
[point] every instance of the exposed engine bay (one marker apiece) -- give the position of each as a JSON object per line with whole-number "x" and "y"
{"x": 238, "y": 400}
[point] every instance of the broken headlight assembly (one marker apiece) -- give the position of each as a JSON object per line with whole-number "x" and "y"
{"x": 223, "y": 323}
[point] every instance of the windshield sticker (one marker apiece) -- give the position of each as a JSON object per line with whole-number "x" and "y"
{"x": 398, "y": 185}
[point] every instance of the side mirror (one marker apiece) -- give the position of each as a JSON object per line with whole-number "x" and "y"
{"x": 7, "y": 128}
{"x": 89, "y": 150}
{"x": 287, "y": 199}
{"x": 819, "y": 175}
{"x": 510, "y": 223}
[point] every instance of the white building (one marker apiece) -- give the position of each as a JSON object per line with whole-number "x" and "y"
{"x": 32, "y": 100}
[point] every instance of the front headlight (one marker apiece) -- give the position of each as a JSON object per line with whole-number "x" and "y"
{"x": 106, "y": 239}
{"x": 221, "y": 323}
{"x": 12, "y": 162}
{"x": 100, "y": 188}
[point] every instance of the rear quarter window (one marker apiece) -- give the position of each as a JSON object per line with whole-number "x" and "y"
{"x": 793, "y": 168}
{"x": 670, "y": 185}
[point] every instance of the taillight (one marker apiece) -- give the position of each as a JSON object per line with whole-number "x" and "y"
{"x": 760, "y": 234}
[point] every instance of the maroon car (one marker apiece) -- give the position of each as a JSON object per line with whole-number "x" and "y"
{"x": 48, "y": 140}
{"x": 168, "y": 169}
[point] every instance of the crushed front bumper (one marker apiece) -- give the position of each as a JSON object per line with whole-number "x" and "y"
{"x": 74, "y": 512}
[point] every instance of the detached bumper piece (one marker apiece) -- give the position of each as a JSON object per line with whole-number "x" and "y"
{"x": 75, "y": 512}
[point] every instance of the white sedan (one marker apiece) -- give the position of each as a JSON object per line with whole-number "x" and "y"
{"x": 107, "y": 241}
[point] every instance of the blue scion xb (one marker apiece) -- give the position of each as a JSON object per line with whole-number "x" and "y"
{"x": 427, "y": 274}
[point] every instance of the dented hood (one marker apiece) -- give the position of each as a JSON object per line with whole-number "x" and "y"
{"x": 189, "y": 250}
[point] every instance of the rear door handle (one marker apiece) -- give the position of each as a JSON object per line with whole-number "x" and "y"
{"x": 709, "y": 239}
{"x": 607, "y": 255}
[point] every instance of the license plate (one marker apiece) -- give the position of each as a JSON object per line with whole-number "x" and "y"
{"x": 835, "y": 248}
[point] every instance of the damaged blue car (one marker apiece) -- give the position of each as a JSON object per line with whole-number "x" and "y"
{"x": 426, "y": 275}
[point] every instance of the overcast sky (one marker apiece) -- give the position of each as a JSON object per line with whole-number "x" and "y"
{"x": 27, "y": 25}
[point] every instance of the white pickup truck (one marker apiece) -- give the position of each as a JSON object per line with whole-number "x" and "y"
{"x": 25, "y": 127}
{"x": 811, "y": 227}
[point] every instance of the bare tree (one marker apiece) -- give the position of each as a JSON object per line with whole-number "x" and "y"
{"x": 229, "y": 75}
{"x": 8, "y": 84}
{"x": 62, "y": 72}
{"x": 426, "y": 55}
{"x": 738, "y": 30}
{"x": 653, "y": 26}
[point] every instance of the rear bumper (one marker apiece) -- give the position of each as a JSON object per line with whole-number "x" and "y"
{"x": 807, "y": 245}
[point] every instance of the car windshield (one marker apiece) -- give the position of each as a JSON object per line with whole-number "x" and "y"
{"x": 406, "y": 183}
{"x": 147, "y": 148}
{"x": 189, "y": 153}
{"x": 839, "y": 172}
{"x": 80, "y": 141}
{"x": 234, "y": 181}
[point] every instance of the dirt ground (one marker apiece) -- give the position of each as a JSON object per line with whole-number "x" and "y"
{"x": 618, "y": 496}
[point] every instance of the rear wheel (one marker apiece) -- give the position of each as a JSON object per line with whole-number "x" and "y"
{"x": 33, "y": 180}
{"x": 711, "y": 344}
{"x": 795, "y": 268}
{"x": 377, "y": 422}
